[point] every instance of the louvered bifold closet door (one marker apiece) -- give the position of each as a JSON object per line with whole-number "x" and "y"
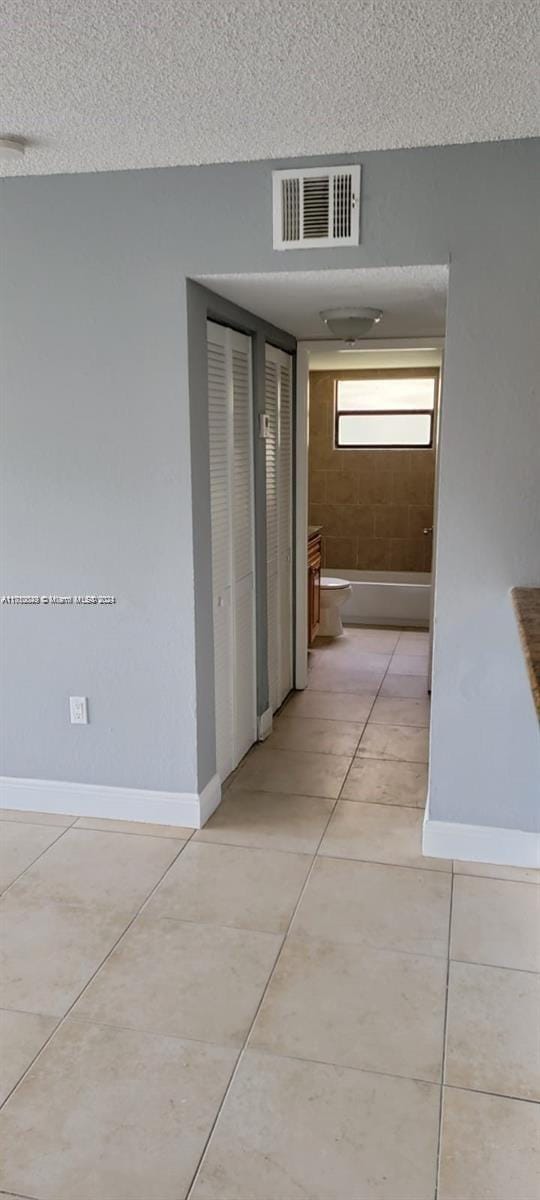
{"x": 232, "y": 507}
{"x": 285, "y": 511}
{"x": 245, "y": 700}
{"x": 279, "y": 523}
{"x": 272, "y": 526}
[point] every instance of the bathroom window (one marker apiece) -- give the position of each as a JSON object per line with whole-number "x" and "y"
{"x": 386, "y": 409}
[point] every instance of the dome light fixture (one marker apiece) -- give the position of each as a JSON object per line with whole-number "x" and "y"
{"x": 11, "y": 147}
{"x": 351, "y": 323}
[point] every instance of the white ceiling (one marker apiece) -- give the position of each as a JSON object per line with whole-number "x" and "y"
{"x": 104, "y": 85}
{"x": 413, "y": 299}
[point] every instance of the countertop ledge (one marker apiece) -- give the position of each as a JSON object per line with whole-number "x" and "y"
{"x": 526, "y": 601}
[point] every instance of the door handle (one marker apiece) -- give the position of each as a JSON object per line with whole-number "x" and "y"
{"x": 429, "y": 529}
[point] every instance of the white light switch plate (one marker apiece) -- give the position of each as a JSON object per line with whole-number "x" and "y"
{"x": 78, "y": 710}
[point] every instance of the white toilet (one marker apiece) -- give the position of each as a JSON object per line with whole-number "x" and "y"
{"x": 334, "y": 593}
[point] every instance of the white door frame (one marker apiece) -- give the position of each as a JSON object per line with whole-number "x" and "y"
{"x": 306, "y": 353}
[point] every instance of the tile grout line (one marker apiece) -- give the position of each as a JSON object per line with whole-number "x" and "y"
{"x": 35, "y": 860}
{"x": 64, "y": 1016}
{"x": 259, "y": 1006}
{"x": 445, "y": 1030}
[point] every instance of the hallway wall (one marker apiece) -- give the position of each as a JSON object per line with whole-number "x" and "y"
{"x": 99, "y": 479}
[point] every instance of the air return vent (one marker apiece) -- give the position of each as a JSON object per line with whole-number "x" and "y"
{"x": 316, "y": 208}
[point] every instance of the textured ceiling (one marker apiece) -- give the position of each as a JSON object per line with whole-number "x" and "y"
{"x": 413, "y": 299}
{"x": 109, "y": 84}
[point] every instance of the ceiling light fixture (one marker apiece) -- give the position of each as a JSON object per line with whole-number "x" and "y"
{"x": 11, "y": 147}
{"x": 351, "y": 323}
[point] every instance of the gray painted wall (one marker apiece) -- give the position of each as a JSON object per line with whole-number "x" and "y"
{"x": 98, "y": 472}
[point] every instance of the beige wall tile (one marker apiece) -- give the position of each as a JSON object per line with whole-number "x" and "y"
{"x": 340, "y": 552}
{"x": 391, "y": 521}
{"x": 373, "y": 554}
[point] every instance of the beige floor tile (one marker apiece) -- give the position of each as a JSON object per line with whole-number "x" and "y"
{"x": 36, "y": 818}
{"x": 20, "y": 845}
{"x": 332, "y": 679}
{"x": 273, "y": 822}
{"x": 496, "y": 922}
{"x": 329, "y": 706}
{"x": 348, "y": 654}
{"x": 385, "y": 782}
{"x": 408, "y": 664}
{"x": 184, "y": 980}
{"x": 413, "y": 641}
{"x": 490, "y": 1148}
{"x": 141, "y": 827}
{"x": 292, "y": 1130}
{"x": 358, "y": 639}
{"x": 496, "y": 871}
{"x": 400, "y": 710}
{"x": 98, "y": 870}
{"x": 232, "y": 885}
{"x": 378, "y": 833}
{"x": 403, "y": 743}
{"x": 388, "y": 908}
{"x": 293, "y": 772}
{"x": 404, "y": 686}
{"x": 51, "y": 951}
{"x": 493, "y": 1030}
{"x": 315, "y": 736}
{"x": 345, "y": 1004}
{"x": 115, "y": 1115}
{"x": 21, "y": 1037}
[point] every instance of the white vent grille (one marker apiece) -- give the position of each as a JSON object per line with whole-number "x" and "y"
{"x": 314, "y": 208}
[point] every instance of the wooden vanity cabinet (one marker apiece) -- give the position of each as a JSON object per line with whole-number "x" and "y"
{"x": 314, "y": 585}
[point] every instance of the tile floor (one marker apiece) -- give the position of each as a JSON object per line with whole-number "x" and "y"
{"x": 292, "y": 1002}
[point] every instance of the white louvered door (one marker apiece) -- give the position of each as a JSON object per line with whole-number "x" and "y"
{"x": 278, "y": 405}
{"x": 233, "y": 573}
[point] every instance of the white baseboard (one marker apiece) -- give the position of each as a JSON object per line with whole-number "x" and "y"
{"x": 264, "y": 725}
{"x": 481, "y": 843}
{"x": 119, "y": 803}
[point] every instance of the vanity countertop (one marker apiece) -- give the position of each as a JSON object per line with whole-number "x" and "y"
{"x": 527, "y": 608}
{"x": 313, "y": 530}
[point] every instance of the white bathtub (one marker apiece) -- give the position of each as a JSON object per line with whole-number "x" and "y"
{"x": 386, "y": 597}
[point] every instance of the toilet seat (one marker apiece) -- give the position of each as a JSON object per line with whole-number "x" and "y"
{"x": 331, "y": 584}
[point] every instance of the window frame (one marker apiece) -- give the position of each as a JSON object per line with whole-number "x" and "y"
{"x": 388, "y": 373}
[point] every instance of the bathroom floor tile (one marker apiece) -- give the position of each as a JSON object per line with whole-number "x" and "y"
{"x": 380, "y": 907}
{"x": 114, "y": 1115}
{"x": 21, "y": 1037}
{"x": 51, "y": 951}
{"x": 408, "y": 664}
{"x": 411, "y": 687}
{"x": 329, "y": 706}
{"x": 98, "y": 870}
{"x": 496, "y": 922}
{"x": 489, "y": 1147}
{"x": 496, "y": 871}
{"x": 294, "y": 1130}
{"x": 382, "y": 781}
{"x": 414, "y": 641}
{"x": 145, "y": 828}
{"x": 20, "y": 845}
{"x": 404, "y": 743}
{"x": 232, "y": 885}
{"x": 399, "y": 710}
{"x": 344, "y": 1004}
{"x": 493, "y": 1042}
{"x": 315, "y": 736}
{"x": 293, "y": 772}
{"x": 183, "y": 979}
{"x": 378, "y": 833}
{"x": 268, "y": 820}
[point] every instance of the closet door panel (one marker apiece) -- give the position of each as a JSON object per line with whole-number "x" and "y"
{"x": 285, "y": 526}
{"x": 279, "y": 499}
{"x": 220, "y": 508}
{"x": 243, "y": 547}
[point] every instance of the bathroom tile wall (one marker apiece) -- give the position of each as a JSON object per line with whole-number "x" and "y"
{"x": 373, "y": 505}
